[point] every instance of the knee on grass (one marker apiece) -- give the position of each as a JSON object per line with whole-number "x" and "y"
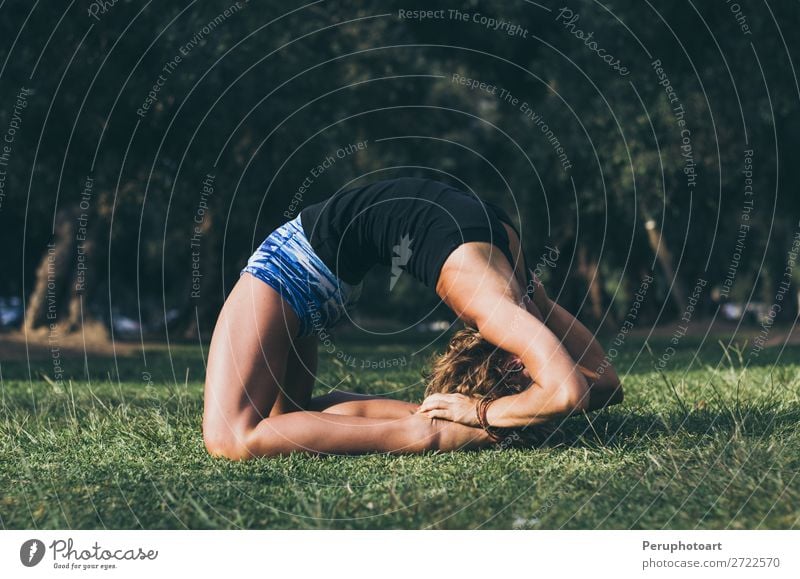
{"x": 225, "y": 443}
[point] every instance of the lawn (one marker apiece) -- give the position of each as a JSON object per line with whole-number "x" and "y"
{"x": 707, "y": 443}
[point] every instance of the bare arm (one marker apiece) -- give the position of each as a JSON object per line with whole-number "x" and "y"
{"x": 605, "y": 387}
{"x": 479, "y": 285}
{"x": 559, "y": 385}
{"x": 559, "y": 389}
{"x": 577, "y": 339}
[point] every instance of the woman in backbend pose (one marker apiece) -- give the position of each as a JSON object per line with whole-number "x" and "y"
{"x": 521, "y": 361}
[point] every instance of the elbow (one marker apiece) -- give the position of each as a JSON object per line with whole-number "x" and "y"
{"x": 617, "y": 396}
{"x": 609, "y": 380}
{"x": 611, "y": 387}
{"x": 574, "y": 396}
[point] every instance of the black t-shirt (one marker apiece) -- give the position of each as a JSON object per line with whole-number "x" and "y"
{"x": 410, "y": 223}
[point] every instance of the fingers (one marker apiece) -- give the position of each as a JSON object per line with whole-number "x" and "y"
{"x": 453, "y": 407}
{"x": 431, "y": 403}
{"x": 439, "y": 401}
{"x": 439, "y": 413}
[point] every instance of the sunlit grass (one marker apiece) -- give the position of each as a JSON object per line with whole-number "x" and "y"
{"x": 708, "y": 443}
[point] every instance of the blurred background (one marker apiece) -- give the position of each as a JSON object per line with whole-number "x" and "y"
{"x": 648, "y": 151}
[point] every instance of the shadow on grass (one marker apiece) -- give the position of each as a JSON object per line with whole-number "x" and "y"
{"x": 624, "y": 431}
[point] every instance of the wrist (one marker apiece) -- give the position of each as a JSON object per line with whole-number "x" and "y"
{"x": 481, "y": 411}
{"x": 507, "y": 412}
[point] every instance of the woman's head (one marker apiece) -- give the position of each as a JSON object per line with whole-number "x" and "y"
{"x": 474, "y": 367}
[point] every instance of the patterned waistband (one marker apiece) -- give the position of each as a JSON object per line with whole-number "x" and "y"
{"x": 287, "y": 262}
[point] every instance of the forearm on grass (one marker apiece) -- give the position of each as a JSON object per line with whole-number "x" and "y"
{"x": 603, "y": 396}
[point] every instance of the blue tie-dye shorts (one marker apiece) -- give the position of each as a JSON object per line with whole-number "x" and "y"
{"x": 287, "y": 263}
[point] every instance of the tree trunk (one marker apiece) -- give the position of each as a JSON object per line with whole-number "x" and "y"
{"x": 659, "y": 246}
{"x": 59, "y": 294}
{"x": 202, "y": 304}
{"x": 589, "y": 270}
{"x": 46, "y": 302}
{"x": 80, "y": 290}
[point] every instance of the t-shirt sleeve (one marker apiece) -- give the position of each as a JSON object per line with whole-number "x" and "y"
{"x": 503, "y": 216}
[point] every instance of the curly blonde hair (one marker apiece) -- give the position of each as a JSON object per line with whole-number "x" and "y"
{"x": 471, "y": 366}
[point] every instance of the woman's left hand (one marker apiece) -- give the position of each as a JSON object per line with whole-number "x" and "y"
{"x": 453, "y": 407}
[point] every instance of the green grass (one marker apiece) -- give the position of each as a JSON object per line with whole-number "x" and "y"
{"x": 707, "y": 444}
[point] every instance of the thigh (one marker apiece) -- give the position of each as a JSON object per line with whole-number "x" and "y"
{"x": 365, "y": 405}
{"x": 247, "y": 359}
{"x": 301, "y": 373}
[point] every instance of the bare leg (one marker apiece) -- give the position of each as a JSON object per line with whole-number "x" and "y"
{"x": 350, "y": 404}
{"x": 247, "y": 365}
{"x": 301, "y": 372}
{"x": 295, "y": 394}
